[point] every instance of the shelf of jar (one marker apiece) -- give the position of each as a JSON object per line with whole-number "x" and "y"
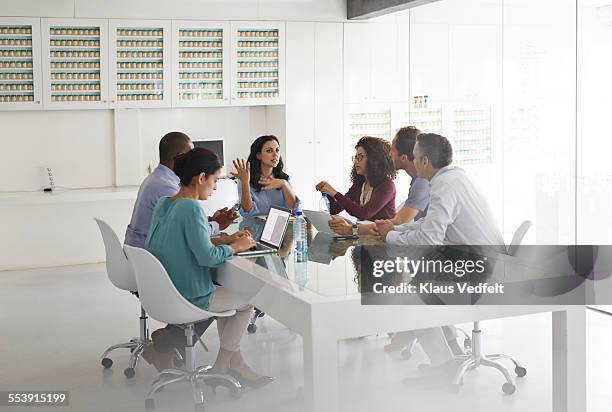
{"x": 15, "y": 49}
{"x": 253, "y": 65}
{"x": 201, "y": 81}
{"x": 139, "y": 97}
{"x": 74, "y": 59}
{"x": 184, "y": 51}
{"x": 13, "y": 98}
{"x": 145, "y": 59}
{"x": 200, "y": 75}
{"x": 156, "y": 69}
{"x": 203, "y": 65}
{"x": 215, "y": 37}
{"x": 256, "y": 95}
{"x": 139, "y": 87}
{"x": 75, "y": 78}
{"x": 74, "y": 98}
{"x": 76, "y": 93}
{"x": 13, "y": 68}
{"x": 153, "y": 34}
{"x": 183, "y": 89}
{"x": 200, "y": 96}
{"x": 74, "y": 38}
{"x": 143, "y": 81}
{"x": 202, "y": 59}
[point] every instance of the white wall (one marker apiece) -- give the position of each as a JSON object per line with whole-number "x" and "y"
{"x": 78, "y": 145}
{"x": 313, "y": 10}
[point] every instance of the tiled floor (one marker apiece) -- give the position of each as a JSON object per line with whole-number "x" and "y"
{"x": 56, "y": 322}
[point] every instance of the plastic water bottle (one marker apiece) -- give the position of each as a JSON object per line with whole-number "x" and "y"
{"x": 301, "y": 273}
{"x": 300, "y": 237}
{"x": 324, "y": 202}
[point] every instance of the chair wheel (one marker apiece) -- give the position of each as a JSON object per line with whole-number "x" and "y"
{"x": 406, "y": 354}
{"x": 129, "y": 373}
{"x": 252, "y": 328}
{"x": 508, "y": 388}
{"x": 149, "y": 404}
{"x": 455, "y": 387}
{"x": 520, "y": 371}
{"x": 235, "y": 393}
{"x": 107, "y": 362}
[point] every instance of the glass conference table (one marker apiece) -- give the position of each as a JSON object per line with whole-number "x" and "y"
{"x": 320, "y": 299}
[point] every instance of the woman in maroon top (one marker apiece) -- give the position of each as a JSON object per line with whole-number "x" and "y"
{"x": 372, "y": 194}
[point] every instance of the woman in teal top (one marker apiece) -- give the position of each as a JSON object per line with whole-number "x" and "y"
{"x": 179, "y": 237}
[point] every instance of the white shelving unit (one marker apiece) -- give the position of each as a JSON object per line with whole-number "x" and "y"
{"x": 471, "y": 137}
{"x": 140, "y": 60}
{"x": 258, "y": 63}
{"x": 366, "y": 120}
{"x": 20, "y": 82}
{"x": 75, "y": 61}
{"x": 369, "y": 123}
{"x": 201, "y": 72}
{"x": 427, "y": 120}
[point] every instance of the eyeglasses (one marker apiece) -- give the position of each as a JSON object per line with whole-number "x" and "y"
{"x": 358, "y": 158}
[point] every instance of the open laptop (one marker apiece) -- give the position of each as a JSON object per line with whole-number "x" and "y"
{"x": 320, "y": 220}
{"x": 273, "y": 232}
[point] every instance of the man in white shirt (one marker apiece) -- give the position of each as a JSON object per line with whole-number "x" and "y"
{"x": 458, "y": 214}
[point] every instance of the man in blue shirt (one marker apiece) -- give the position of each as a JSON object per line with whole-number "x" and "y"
{"x": 415, "y": 206}
{"x": 163, "y": 182}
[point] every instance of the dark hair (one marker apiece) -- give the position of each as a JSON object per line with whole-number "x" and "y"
{"x": 405, "y": 139}
{"x": 436, "y": 148}
{"x": 171, "y": 145}
{"x": 380, "y": 164}
{"x": 256, "y": 148}
{"x": 194, "y": 162}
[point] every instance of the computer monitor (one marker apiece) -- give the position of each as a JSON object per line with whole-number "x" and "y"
{"x": 215, "y": 145}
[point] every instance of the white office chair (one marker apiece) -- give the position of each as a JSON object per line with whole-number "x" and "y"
{"x": 164, "y": 303}
{"x": 120, "y": 274}
{"x": 475, "y": 357}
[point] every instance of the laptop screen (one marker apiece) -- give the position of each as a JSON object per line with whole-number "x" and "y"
{"x": 276, "y": 223}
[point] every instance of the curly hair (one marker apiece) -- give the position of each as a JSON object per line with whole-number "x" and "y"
{"x": 256, "y": 148}
{"x": 380, "y": 164}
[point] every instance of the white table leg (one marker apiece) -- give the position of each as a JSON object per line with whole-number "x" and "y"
{"x": 321, "y": 371}
{"x": 569, "y": 359}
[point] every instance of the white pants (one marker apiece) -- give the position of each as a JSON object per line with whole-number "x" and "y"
{"x": 230, "y": 328}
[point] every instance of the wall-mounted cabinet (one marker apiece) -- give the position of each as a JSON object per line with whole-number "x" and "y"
{"x": 375, "y": 62}
{"x": 99, "y": 63}
{"x": 20, "y": 82}
{"x": 140, "y": 60}
{"x": 75, "y": 63}
{"x": 201, "y": 64}
{"x": 258, "y": 63}
{"x": 313, "y": 114}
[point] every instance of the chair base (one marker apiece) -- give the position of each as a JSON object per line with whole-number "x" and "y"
{"x": 195, "y": 378}
{"x": 192, "y": 374}
{"x": 136, "y": 347}
{"x": 475, "y": 359}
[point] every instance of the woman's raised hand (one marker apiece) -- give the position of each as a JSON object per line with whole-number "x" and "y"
{"x": 243, "y": 170}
